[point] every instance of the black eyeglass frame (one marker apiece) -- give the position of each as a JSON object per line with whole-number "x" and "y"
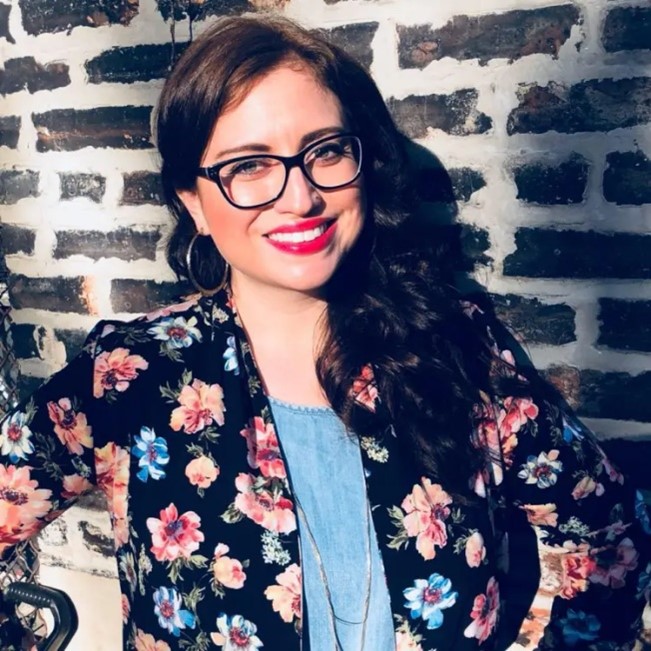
{"x": 289, "y": 162}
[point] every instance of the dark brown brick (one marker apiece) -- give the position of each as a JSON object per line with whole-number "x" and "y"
{"x": 15, "y": 239}
{"x": 9, "y": 131}
{"x": 41, "y": 16}
{"x": 593, "y": 105}
{"x": 25, "y": 336}
{"x": 455, "y": 113}
{"x": 26, "y": 72}
{"x": 138, "y": 296}
{"x": 122, "y": 127}
{"x": 142, "y": 188}
{"x": 356, "y": 40}
{"x": 563, "y": 182}
{"x": 625, "y": 325}
{"x": 56, "y": 294}
{"x": 17, "y": 184}
{"x": 28, "y": 340}
{"x": 536, "y": 322}
{"x": 72, "y": 340}
{"x": 28, "y": 384}
{"x": 604, "y": 395}
{"x": 627, "y": 28}
{"x": 201, "y": 9}
{"x": 509, "y": 35}
{"x": 546, "y": 253}
{"x": 436, "y": 184}
{"x": 627, "y": 178}
{"x": 126, "y": 65}
{"x": 81, "y": 184}
{"x": 124, "y": 244}
{"x": 5, "y": 10}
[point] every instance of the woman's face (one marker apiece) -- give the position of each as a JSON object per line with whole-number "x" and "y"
{"x": 297, "y": 241}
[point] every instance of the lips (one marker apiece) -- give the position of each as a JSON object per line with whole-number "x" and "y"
{"x": 304, "y": 237}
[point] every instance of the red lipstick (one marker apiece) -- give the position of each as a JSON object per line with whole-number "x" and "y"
{"x": 304, "y": 247}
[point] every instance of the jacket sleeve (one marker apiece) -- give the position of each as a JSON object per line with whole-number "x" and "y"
{"x": 46, "y": 449}
{"x": 591, "y": 526}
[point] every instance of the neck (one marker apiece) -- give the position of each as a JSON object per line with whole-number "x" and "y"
{"x": 277, "y": 316}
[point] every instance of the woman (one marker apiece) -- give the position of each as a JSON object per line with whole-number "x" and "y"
{"x": 322, "y": 450}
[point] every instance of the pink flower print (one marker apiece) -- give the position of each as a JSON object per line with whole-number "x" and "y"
{"x": 427, "y": 508}
{"x": 173, "y": 535}
{"x": 364, "y": 389}
{"x": 405, "y": 642}
{"x": 126, "y": 608}
{"x": 201, "y": 472}
{"x": 269, "y": 509}
{"x": 171, "y": 309}
{"x": 577, "y": 567}
{"x": 74, "y": 485}
{"x": 285, "y": 596}
{"x": 146, "y": 642}
{"x": 486, "y": 438}
{"x": 263, "y": 447}
{"x": 71, "y": 427}
{"x": 613, "y": 565}
{"x": 227, "y": 571}
{"x": 114, "y": 371}
{"x": 22, "y": 505}
{"x": 515, "y": 414}
{"x": 201, "y": 405}
{"x": 475, "y": 550}
{"x": 112, "y": 468}
{"x": 611, "y": 471}
{"x": 541, "y": 515}
{"x": 484, "y": 612}
{"x": 585, "y": 487}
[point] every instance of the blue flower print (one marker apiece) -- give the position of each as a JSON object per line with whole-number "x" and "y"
{"x": 152, "y": 452}
{"x": 644, "y": 583}
{"x": 236, "y": 634}
{"x": 579, "y": 626}
{"x": 572, "y": 430}
{"x": 230, "y": 356}
{"x": 542, "y": 470}
{"x": 168, "y": 610}
{"x": 429, "y": 598}
{"x": 176, "y": 332}
{"x": 15, "y": 438}
{"x": 642, "y": 513}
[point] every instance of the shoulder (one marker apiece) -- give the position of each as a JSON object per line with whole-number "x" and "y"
{"x": 175, "y": 326}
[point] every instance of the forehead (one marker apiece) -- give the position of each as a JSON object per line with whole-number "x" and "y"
{"x": 285, "y": 103}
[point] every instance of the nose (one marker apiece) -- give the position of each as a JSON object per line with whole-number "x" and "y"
{"x": 299, "y": 197}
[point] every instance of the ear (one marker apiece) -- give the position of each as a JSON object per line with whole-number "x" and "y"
{"x": 192, "y": 203}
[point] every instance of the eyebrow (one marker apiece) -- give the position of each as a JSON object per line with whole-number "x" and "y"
{"x": 262, "y": 148}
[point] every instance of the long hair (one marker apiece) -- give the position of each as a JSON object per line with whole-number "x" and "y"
{"x": 390, "y": 304}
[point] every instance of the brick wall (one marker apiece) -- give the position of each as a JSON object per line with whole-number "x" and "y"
{"x": 539, "y": 110}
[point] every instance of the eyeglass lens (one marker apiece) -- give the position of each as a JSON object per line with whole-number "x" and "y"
{"x": 257, "y": 180}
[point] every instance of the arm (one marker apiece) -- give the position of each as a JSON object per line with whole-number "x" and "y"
{"x": 46, "y": 450}
{"x": 591, "y": 529}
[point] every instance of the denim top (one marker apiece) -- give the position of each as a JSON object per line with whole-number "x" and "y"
{"x": 325, "y": 469}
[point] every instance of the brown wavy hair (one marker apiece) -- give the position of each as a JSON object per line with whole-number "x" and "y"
{"x": 390, "y": 304}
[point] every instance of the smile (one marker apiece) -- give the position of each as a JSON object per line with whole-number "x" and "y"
{"x": 301, "y": 236}
{"x": 304, "y": 241}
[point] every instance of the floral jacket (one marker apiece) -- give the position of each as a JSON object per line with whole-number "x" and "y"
{"x": 166, "y": 414}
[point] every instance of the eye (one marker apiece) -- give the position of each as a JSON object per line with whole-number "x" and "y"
{"x": 249, "y": 167}
{"x": 332, "y": 151}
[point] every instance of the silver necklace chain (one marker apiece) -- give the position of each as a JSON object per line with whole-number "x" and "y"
{"x": 332, "y": 617}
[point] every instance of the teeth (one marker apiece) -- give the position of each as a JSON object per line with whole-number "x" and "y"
{"x": 303, "y": 236}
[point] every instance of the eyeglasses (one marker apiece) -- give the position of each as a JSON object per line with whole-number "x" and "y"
{"x": 253, "y": 181}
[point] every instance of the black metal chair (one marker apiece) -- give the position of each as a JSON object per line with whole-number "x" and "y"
{"x": 57, "y": 602}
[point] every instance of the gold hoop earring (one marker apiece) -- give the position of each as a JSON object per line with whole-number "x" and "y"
{"x": 193, "y": 279}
